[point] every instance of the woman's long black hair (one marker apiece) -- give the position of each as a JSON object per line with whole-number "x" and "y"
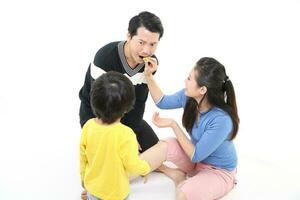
{"x": 220, "y": 93}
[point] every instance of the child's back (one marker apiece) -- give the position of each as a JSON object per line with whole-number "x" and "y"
{"x": 111, "y": 152}
{"x": 109, "y": 149}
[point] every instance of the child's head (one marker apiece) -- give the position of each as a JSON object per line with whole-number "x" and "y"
{"x": 112, "y": 95}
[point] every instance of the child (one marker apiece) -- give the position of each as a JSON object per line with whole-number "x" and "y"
{"x": 109, "y": 149}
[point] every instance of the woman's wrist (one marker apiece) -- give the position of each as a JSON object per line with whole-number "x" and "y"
{"x": 173, "y": 124}
{"x": 148, "y": 75}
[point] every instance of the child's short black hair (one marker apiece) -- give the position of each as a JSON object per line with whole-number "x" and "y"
{"x": 112, "y": 95}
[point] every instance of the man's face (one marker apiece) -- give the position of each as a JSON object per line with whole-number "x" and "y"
{"x": 143, "y": 44}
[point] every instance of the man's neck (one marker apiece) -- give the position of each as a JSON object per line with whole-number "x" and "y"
{"x": 132, "y": 64}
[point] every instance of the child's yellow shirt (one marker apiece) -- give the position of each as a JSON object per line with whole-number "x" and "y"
{"x": 108, "y": 153}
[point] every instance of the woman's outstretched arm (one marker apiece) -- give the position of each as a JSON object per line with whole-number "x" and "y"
{"x": 183, "y": 140}
{"x": 155, "y": 92}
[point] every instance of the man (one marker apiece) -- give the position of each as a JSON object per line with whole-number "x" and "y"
{"x": 126, "y": 57}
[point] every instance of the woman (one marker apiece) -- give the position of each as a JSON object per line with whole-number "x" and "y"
{"x": 206, "y": 163}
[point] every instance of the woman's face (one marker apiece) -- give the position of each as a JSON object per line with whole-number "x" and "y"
{"x": 191, "y": 87}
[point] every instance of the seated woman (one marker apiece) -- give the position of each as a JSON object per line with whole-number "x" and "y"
{"x": 206, "y": 163}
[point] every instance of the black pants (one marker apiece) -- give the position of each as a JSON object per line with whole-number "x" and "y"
{"x": 145, "y": 135}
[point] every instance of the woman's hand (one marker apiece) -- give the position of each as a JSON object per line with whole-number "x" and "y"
{"x": 150, "y": 66}
{"x": 161, "y": 122}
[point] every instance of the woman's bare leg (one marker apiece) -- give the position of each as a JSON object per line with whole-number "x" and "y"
{"x": 174, "y": 173}
{"x": 155, "y": 155}
{"x": 179, "y": 194}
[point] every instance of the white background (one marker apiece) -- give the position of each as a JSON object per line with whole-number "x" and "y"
{"x": 45, "y": 49}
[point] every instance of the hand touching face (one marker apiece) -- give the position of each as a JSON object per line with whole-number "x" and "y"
{"x": 150, "y": 65}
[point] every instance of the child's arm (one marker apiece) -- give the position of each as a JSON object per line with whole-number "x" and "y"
{"x": 131, "y": 161}
{"x": 145, "y": 178}
{"x": 83, "y": 159}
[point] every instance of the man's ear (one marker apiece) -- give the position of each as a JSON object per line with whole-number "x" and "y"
{"x": 203, "y": 90}
{"x": 128, "y": 36}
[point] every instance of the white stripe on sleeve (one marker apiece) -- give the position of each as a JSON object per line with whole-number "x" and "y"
{"x": 138, "y": 78}
{"x": 96, "y": 71}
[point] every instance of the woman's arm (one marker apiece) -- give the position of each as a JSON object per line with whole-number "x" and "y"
{"x": 183, "y": 140}
{"x": 155, "y": 92}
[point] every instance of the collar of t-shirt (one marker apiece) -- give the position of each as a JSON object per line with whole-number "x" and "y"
{"x": 127, "y": 68}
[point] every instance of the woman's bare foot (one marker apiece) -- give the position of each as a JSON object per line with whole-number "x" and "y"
{"x": 175, "y": 174}
{"x": 158, "y": 169}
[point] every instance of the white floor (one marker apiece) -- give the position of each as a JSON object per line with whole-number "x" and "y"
{"x": 44, "y": 164}
{"x": 256, "y": 180}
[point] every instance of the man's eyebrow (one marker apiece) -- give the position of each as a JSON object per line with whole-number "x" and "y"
{"x": 146, "y": 41}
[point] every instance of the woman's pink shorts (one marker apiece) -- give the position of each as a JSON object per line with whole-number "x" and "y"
{"x": 204, "y": 181}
